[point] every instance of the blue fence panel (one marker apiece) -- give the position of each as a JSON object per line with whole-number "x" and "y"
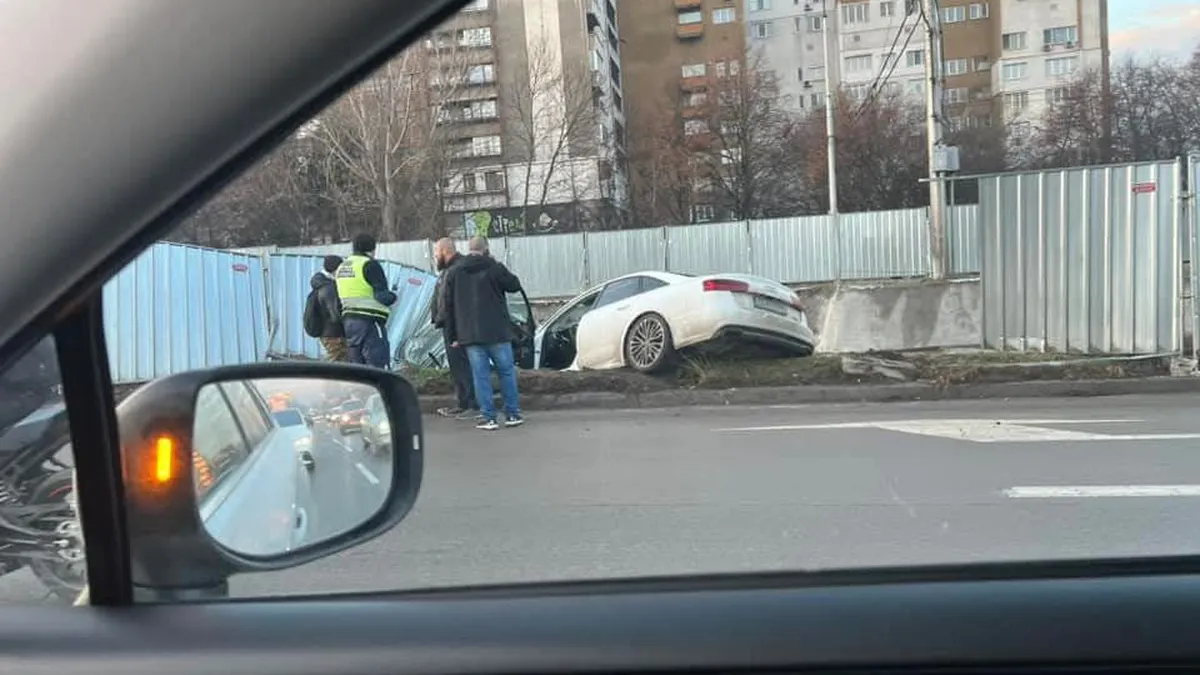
{"x": 177, "y": 308}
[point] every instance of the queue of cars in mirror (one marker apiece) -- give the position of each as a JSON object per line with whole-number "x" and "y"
{"x": 275, "y": 469}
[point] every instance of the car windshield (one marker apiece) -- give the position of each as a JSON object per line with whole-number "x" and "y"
{"x": 973, "y": 243}
{"x": 289, "y": 418}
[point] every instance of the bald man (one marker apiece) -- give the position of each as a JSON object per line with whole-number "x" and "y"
{"x": 445, "y": 255}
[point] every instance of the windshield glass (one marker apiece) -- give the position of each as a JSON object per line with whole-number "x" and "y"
{"x": 288, "y": 418}
{"x": 905, "y": 275}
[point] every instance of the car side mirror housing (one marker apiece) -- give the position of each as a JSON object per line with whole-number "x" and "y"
{"x": 207, "y": 497}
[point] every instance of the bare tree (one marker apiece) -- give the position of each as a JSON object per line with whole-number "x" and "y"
{"x": 741, "y": 139}
{"x": 552, "y": 118}
{"x": 663, "y": 175}
{"x": 385, "y": 135}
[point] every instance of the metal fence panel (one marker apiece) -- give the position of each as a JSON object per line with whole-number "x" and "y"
{"x": 291, "y": 277}
{"x": 418, "y": 254}
{"x": 793, "y": 250}
{"x": 962, "y": 239}
{"x": 550, "y": 265}
{"x": 881, "y": 244}
{"x": 1192, "y": 211}
{"x": 1082, "y": 259}
{"x": 709, "y": 248}
{"x": 611, "y": 254}
{"x": 178, "y": 308}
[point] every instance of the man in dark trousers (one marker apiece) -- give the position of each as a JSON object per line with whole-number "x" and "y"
{"x": 477, "y": 318}
{"x": 332, "y": 333}
{"x": 445, "y": 255}
{"x": 365, "y": 297}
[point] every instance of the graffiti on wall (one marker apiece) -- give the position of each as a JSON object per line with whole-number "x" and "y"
{"x": 511, "y": 222}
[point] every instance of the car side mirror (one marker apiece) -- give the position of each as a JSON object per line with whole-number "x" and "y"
{"x": 194, "y": 521}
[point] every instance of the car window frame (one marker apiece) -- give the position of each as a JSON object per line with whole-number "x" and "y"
{"x": 247, "y": 448}
{"x": 603, "y": 300}
{"x": 556, "y": 324}
{"x": 263, "y": 416}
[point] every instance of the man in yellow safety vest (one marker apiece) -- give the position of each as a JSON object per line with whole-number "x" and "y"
{"x": 363, "y": 290}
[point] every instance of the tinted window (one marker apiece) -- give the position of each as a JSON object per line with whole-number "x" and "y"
{"x": 289, "y": 418}
{"x": 221, "y": 449}
{"x": 650, "y": 283}
{"x": 250, "y": 414}
{"x": 571, "y": 317}
{"x": 619, "y": 290}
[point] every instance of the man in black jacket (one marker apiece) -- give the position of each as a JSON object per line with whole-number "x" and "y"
{"x": 333, "y": 333}
{"x": 476, "y": 316}
{"x": 445, "y": 255}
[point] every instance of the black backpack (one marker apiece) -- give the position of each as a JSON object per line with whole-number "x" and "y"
{"x": 314, "y": 314}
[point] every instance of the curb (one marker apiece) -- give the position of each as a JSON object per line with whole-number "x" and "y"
{"x": 881, "y": 393}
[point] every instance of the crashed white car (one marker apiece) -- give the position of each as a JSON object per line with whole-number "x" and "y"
{"x": 642, "y": 320}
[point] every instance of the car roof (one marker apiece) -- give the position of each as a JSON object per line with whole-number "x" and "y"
{"x": 117, "y": 123}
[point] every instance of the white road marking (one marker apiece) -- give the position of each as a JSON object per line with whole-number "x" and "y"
{"x": 367, "y": 473}
{"x": 1080, "y": 491}
{"x": 342, "y": 443}
{"x": 986, "y": 430}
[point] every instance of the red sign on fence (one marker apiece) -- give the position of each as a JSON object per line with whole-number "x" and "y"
{"x": 1144, "y": 188}
{"x": 241, "y": 267}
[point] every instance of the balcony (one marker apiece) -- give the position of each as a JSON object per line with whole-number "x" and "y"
{"x": 698, "y": 83}
{"x": 688, "y": 4}
{"x": 689, "y": 31}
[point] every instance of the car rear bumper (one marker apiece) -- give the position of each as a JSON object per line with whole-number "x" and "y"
{"x": 785, "y": 342}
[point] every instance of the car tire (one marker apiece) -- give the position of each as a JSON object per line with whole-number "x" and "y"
{"x": 649, "y": 346}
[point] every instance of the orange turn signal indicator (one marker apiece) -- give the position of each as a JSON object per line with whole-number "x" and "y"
{"x": 164, "y": 456}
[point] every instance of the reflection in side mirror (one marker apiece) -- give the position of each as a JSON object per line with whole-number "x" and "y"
{"x": 268, "y": 481}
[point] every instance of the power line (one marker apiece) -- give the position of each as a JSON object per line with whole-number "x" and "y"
{"x": 881, "y": 76}
{"x": 873, "y": 93}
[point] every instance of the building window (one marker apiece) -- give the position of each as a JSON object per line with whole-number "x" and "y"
{"x": 761, "y": 29}
{"x": 954, "y": 14}
{"x": 1015, "y": 102}
{"x": 760, "y": 5}
{"x": 727, "y": 68}
{"x": 857, "y": 12}
{"x": 911, "y": 7}
{"x": 695, "y": 99}
{"x": 1011, "y": 72}
{"x": 485, "y": 146}
{"x": 858, "y": 92}
{"x": 475, "y": 6}
{"x": 916, "y": 87}
{"x": 481, "y": 74}
{"x": 914, "y": 58}
{"x": 982, "y": 63}
{"x": 818, "y": 100}
{"x": 691, "y": 17}
{"x": 480, "y": 110}
{"x": 956, "y": 67}
{"x": 1063, "y": 35}
{"x": 1014, "y": 41}
{"x": 703, "y": 213}
{"x": 1058, "y": 94}
{"x": 695, "y": 127}
{"x": 978, "y": 10}
{"x": 887, "y": 8}
{"x": 957, "y": 95}
{"x": 468, "y": 183}
{"x": 475, "y": 37}
{"x": 724, "y": 15}
{"x": 695, "y": 70}
{"x": 858, "y": 64}
{"x": 493, "y": 181}
{"x": 816, "y": 24}
{"x": 1062, "y": 67}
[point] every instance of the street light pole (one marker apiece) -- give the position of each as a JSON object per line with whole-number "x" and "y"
{"x": 934, "y": 117}
{"x": 831, "y": 137}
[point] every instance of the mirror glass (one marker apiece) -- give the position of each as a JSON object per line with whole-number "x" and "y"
{"x": 282, "y": 464}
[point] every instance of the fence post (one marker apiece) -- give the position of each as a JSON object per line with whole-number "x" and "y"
{"x": 666, "y": 249}
{"x": 749, "y": 245}
{"x": 587, "y": 263}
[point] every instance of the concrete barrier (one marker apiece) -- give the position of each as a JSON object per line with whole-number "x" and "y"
{"x": 895, "y": 316}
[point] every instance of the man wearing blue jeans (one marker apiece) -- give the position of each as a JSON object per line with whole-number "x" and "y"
{"x": 476, "y": 317}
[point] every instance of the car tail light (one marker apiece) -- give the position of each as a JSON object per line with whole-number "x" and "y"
{"x": 726, "y": 285}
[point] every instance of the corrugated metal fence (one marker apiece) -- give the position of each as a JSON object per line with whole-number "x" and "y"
{"x": 1083, "y": 259}
{"x": 875, "y": 245}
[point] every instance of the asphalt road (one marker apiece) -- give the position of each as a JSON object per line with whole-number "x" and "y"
{"x": 616, "y": 494}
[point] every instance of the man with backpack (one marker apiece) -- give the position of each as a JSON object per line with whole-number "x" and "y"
{"x": 323, "y": 312}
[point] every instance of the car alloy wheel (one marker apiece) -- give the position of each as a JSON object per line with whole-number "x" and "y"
{"x": 648, "y": 345}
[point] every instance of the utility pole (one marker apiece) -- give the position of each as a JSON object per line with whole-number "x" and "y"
{"x": 937, "y": 157}
{"x": 830, "y": 137}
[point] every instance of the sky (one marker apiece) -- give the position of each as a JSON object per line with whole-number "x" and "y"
{"x": 1143, "y": 27}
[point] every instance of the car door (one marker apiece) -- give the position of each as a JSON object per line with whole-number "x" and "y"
{"x": 600, "y": 335}
{"x": 557, "y": 344}
{"x": 524, "y": 328}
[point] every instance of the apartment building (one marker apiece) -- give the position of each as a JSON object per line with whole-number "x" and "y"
{"x": 530, "y": 98}
{"x": 1001, "y": 57}
{"x": 673, "y": 50}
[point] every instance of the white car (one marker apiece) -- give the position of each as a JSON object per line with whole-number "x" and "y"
{"x": 642, "y": 320}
